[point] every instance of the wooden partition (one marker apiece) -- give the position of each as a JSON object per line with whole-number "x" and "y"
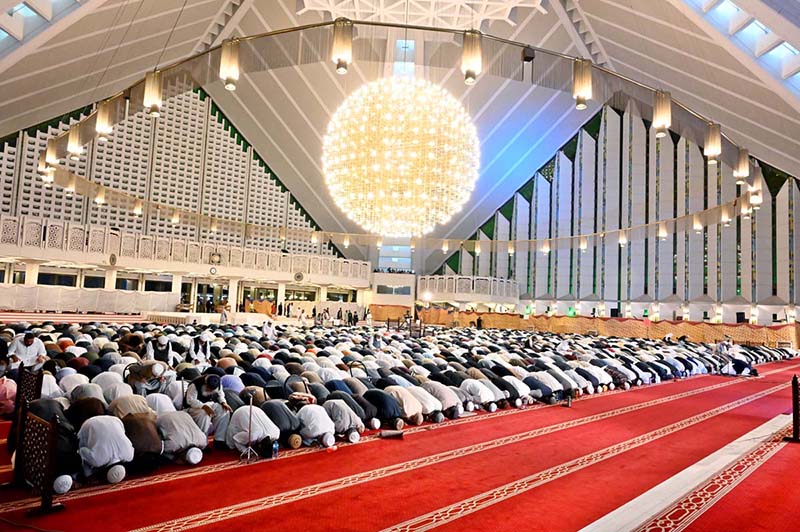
{"x": 630, "y": 328}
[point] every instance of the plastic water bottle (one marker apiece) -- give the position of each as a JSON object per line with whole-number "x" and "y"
{"x": 275, "y": 447}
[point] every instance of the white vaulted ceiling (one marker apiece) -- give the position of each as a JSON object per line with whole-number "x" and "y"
{"x": 284, "y": 112}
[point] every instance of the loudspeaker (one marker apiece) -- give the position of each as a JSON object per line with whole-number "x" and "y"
{"x": 615, "y": 313}
{"x": 740, "y": 318}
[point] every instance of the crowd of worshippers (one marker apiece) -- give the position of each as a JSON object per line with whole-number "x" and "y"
{"x": 129, "y": 397}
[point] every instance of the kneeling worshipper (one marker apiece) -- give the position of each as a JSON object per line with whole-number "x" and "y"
{"x": 8, "y": 395}
{"x": 152, "y": 376}
{"x": 388, "y": 409}
{"x": 251, "y": 427}
{"x": 160, "y": 348}
{"x": 287, "y": 422}
{"x": 68, "y": 461}
{"x": 451, "y": 404}
{"x": 205, "y": 401}
{"x": 141, "y": 430}
{"x": 104, "y": 447}
{"x": 183, "y": 439}
{"x": 345, "y": 421}
{"x": 316, "y": 426}
{"x": 479, "y": 394}
{"x": 409, "y": 405}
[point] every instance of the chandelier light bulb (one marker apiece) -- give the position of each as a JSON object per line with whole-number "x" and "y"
{"x": 581, "y": 82}
{"x": 742, "y": 170}
{"x": 102, "y": 125}
{"x": 400, "y": 156}
{"x": 342, "y": 52}
{"x": 471, "y": 57}
{"x": 229, "y": 64}
{"x": 662, "y": 113}
{"x": 713, "y": 143}
{"x": 152, "y": 93}
{"x": 100, "y": 196}
{"x": 74, "y": 148}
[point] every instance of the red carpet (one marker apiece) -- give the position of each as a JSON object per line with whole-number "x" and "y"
{"x": 765, "y": 500}
{"x": 435, "y": 468}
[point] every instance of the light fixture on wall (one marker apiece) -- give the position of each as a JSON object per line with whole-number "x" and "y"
{"x": 662, "y": 113}
{"x": 583, "y": 245}
{"x": 314, "y": 237}
{"x": 471, "y": 57}
{"x": 545, "y": 247}
{"x": 213, "y": 227}
{"x": 346, "y": 241}
{"x": 511, "y": 248}
{"x": 623, "y": 239}
{"x": 712, "y": 148}
{"x": 176, "y": 217}
{"x": 102, "y": 123}
{"x": 152, "y": 93}
{"x": 229, "y": 63}
{"x": 138, "y": 208}
{"x": 742, "y": 169}
{"x": 342, "y": 50}
{"x": 477, "y": 248}
{"x": 379, "y": 244}
{"x": 581, "y": 82}
{"x": 445, "y": 247}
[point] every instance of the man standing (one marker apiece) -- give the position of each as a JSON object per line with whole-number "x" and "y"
{"x": 29, "y": 350}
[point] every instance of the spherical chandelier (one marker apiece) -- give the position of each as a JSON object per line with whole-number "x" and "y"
{"x": 401, "y": 155}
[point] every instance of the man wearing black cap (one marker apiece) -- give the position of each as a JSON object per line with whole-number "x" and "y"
{"x": 205, "y": 402}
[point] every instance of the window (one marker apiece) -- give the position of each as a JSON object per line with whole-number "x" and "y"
{"x": 94, "y": 282}
{"x": 55, "y": 279}
{"x": 394, "y": 290}
{"x": 127, "y": 284}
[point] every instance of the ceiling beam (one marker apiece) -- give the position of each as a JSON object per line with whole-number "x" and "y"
{"x": 708, "y": 5}
{"x": 43, "y": 8}
{"x": 767, "y": 43}
{"x": 790, "y": 66}
{"x": 739, "y": 22}
{"x": 740, "y": 55}
{"x": 772, "y": 19}
{"x": 14, "y": 24}
{"x": 51, "y": 30}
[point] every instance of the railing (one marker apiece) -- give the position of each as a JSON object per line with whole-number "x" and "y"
{"x": 469, "y": 289}
{"x": 56, "y": 235}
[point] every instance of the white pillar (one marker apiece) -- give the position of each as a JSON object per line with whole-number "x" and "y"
{"x": 281, "y": 299}
{"x": 177, "y": 281}
{"x": 111, "y": 279}
{"x": 323, "y": 294}
{"x": 141, "y": 283}
{"x": 233, "y": 294}
{"x": 193, "y": 297}
{"x": 8, "y": 278}
{"x": 31, "y": 273}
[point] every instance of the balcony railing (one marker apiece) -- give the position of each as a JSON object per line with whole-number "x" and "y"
{"x": 468, "y": 289}
{"x": 31, "y": 233}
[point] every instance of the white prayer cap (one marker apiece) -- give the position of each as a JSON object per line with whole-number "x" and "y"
{"x": 353, "y": 436}
{"x": 328, "y": 440}
{"x": 75, "y": 350}
{"x": 162, "y": 340}
{"x": 158, "y": 370}
{"x": 116, "y": 474}
{"x": 206, "y": 336}
{"x": 62, "y": 484}
{"x": 194, "y": 456}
